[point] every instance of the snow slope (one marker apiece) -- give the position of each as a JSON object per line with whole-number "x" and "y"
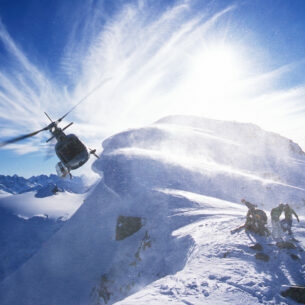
{"x": 31, "y": 212}
{"x": 184, "y": 178}
{"x": 21, "y": 238}
{"x": 62, "y": 205}
{"x": 48, "y": 196}
{"x": 27, "y": 222}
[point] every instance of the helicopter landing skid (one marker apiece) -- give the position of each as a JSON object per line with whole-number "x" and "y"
{"x": 62, "y": 170}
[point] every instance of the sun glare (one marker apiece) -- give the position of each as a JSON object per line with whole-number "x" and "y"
{"x": 219, "y": 67}
{"x": 222, "y": 70}
{"x": 212, "y": 80}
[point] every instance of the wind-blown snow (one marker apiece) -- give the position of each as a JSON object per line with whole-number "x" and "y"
{"x": 223, "y": 159}
{"x": 184, "y": 177}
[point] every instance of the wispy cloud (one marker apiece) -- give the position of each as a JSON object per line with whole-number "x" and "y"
{"x": 167, "y": 65}
{"x": 176, "y": 61}
{"x": 147, "y": 59}
{"x": 24, "y": 90}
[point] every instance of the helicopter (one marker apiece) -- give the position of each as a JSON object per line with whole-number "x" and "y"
{"x": 71, "y": 152}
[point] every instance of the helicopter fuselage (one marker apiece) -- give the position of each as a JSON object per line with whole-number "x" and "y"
{"x": 71, "y": 151}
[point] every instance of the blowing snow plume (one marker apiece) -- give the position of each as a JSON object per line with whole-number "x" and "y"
{"x": 241, "y": 156}
{"x": 175, "y": 186}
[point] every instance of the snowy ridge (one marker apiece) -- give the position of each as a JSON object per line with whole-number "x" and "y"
{"x": 200, "y": 151}
{"x": 184, "y": 178}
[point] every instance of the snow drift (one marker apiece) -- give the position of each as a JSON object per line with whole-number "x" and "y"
{"x": 183, "y": 177}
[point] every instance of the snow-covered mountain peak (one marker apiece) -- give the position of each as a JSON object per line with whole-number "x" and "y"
{"x": 250, "y": 135}
{"x": 157, "y": 227}
{"x": 191, "y": 153}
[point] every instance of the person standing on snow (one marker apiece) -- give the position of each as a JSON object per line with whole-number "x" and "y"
{"x": 250, "y": 221}
{"x": 256, "y": 219}
{"x": 275, "y": 220}
{"x": 286, "y": 223}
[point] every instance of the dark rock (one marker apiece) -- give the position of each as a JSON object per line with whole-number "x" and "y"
{"x": 296, "y": 293}
{"x": 262, "y": 256}
{"x": 126, "y": 226}
{"x": 257, "y": 247}
{"x": 285, "y": 245}
{"x": 294, "y": 257}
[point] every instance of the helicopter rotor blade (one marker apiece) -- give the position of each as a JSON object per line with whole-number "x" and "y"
{"x": 22, "y": 137}
{"x": 48, "y": 117}
{"x": 50, "y": 139}
{"x": 67, "y": 126}
{"x": 84, "y": 98}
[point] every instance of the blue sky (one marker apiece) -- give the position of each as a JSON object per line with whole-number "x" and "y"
{"x": 239, "y": 60}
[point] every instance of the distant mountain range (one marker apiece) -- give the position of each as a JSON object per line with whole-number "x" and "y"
{"x": 43, "y": 185}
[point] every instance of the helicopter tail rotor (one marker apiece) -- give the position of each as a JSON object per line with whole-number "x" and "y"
{"x": 93, "y": 152}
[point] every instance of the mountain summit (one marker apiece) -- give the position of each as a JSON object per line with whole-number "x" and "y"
{"x": 156, "y": 228}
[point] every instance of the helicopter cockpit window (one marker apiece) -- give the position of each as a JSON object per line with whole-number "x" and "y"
{"x": 69, "y": 149}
